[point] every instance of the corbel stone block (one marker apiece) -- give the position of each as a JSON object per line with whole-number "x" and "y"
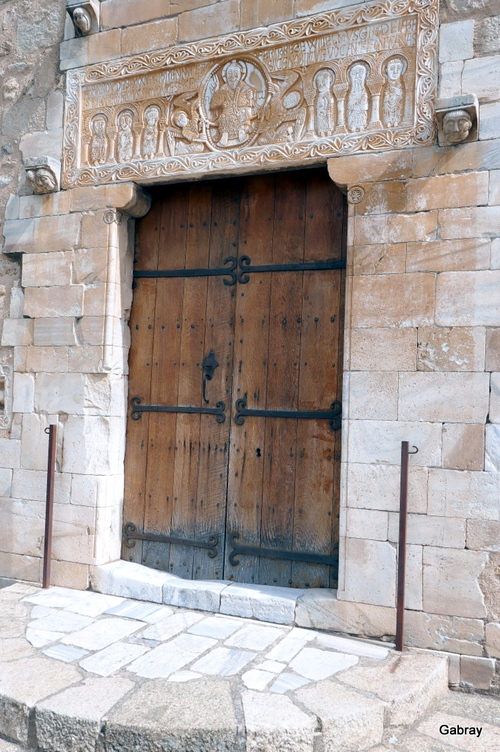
{"x": 457, "y": 120}
{"x": 43, "y": 174}
{"x": 85, "y": 15}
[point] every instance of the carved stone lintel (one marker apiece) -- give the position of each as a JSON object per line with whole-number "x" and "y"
{"x": 85, "y": 15}
{"x": 43, "y": 174}
{"x": 457, "y": 120}
{"x": 342, "y": 81}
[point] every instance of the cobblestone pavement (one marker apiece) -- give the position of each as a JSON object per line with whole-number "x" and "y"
{"x": 80, "y": 669}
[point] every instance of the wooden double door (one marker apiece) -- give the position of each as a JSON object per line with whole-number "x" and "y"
{"x": 233, "y": 440}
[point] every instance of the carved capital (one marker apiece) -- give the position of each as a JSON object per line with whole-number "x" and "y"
{"x": 457, "y": 120}
{"x": 43, "y": 174}
{"x": 85, "y": 16}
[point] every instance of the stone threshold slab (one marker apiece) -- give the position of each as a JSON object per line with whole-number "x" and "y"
{"x": 261, "y": 602}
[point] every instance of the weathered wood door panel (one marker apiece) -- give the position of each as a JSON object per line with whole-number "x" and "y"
{"x": 251, "y": 494}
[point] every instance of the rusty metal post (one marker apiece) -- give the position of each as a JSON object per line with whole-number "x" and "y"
{"x": 49, "y": 506}
{"x": 403, "y": 518}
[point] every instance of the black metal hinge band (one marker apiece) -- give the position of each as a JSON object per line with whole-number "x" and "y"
{"x": 239, "y": 268}
{"x": 138, "y": 409}
{"x": 334, "y": 415}
{"x": 130, "y": 536}
{"x": 272, "y": 553}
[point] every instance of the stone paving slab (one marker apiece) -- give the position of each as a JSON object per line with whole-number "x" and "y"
{"x": 116, "y": 675}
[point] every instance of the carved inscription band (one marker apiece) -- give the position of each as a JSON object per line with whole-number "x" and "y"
{"x": 353, "y": 80}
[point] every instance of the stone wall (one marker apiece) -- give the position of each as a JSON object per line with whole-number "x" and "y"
{"x": 422, "y": 332}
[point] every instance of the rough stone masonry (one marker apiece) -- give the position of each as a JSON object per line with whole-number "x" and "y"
{"x": 422, "y": 335}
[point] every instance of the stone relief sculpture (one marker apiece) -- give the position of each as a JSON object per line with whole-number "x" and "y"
{"x": 456, "y": 126}
{"x": 234, "y": 105}
{"x": 284, "y": 114}
{"x": 342, "y": 81}
{"x": 99, "y": 141}
{"x": 125, "y": 136}
{"x": 150, "y": 138}
{"x": 324, "y": 102}
{"x": 393, "y": 99}
{"x": 42, "y": 174}
{"x": 81, "y": 19}
{"x": 457, "y": 119}
{"x": 85, "y": 15}
{"x": 357, "y": 98}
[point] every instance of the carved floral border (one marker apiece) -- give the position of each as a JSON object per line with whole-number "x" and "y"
{"x": 421, "y": 134}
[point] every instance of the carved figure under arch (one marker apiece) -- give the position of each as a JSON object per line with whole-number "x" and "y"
{"x": 125, "y": 136}
{"x": 393, "y": 98}
{"x": 324, "y": 102}
{"x": 150, "y": 136}
{"x": 98, "y": 141}
{"x": 357, "y": 99}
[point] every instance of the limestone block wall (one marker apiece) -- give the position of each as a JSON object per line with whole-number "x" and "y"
{"x": 422, "y": 340}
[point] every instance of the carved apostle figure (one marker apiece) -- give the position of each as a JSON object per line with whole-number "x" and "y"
{"x": 457, "y": 125}
{"x": 82, "y": 20}
{"x": 125, "y": 137}
{"x": 357, "y": 98}
{"x": 233, "y": 106}
{"x": 150, "y": 138}
{"x": 324, "y": 103}
{"x": 393, "y": 98}
{"x": 99, "y": 141}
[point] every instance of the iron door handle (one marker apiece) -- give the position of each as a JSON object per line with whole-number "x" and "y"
{"x": 208, "y": 367}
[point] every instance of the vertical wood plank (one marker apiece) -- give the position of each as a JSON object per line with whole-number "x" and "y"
{"x": 142, "y": 335}
{"x": 219, "y": 328}
{"x": 165, "y": 357}
{"x": 283, "y": 378}
{"x": 251, "y": 342}
{"x": 187, "y": 459}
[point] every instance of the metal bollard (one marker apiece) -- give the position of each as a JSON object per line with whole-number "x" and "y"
{"x": 49, "y": 505}
{"x": 403, "y": 518}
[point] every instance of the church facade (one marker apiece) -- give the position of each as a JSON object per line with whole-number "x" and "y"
{"x": 248, "y": 249}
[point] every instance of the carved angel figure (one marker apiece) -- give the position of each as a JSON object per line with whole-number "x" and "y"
{"x": 150, "y": 138}
{"x": 190, "y": 140}
{"x": 394, "y": 92}
{"x": 324, "y": 102}
{"x": 125, "y": 137}
{"x": 357, "y": 98}
{"x": 234, "y": 105}
{"x": 99, "y": 141}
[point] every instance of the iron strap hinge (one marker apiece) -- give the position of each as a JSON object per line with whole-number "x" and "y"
{"x": 138, "y": 409}
{"x": 130, "y": 536}
{"x": 239, "y": 268}
{"x": 273, "y": 553}
{"x": 334, "y": 415}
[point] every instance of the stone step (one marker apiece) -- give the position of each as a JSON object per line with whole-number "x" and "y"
{"x": 81, "y": 672}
